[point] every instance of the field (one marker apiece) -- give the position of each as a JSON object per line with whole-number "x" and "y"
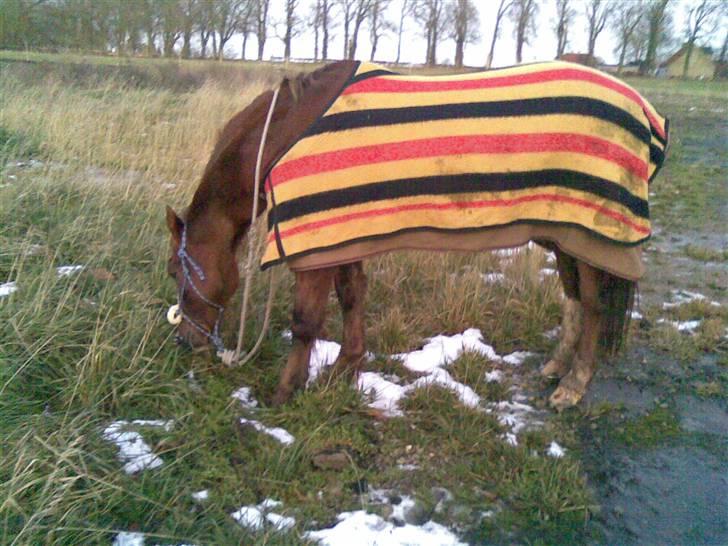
{"x": 90, "y": 154}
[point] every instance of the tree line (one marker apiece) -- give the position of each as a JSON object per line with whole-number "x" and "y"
{"x": 203, "y": 28}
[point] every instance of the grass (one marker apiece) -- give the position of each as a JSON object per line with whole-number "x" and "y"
{"x": 110, "y": 150}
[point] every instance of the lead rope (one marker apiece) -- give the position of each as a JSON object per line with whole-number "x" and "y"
{"x": 230, "y": 357}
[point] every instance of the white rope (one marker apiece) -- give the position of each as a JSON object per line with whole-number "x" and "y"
{"x": 229, "y": 357}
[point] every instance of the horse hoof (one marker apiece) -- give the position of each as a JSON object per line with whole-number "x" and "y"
{"x": 554, "y": 369}
{"x": 564, "y": 398}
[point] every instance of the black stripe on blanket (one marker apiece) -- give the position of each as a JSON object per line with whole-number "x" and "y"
{"x": 461, "y": 183}
{"x": 515, "y": 108}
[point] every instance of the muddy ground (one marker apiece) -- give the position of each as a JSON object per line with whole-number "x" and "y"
{"x": 655, "y": 445}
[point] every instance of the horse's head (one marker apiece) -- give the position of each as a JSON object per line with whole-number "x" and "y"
{"x": 206, "y": 274}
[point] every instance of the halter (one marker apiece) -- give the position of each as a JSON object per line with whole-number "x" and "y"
{"x": 189, "y": 265}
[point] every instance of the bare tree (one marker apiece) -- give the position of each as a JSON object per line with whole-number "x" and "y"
{"x": 503, "y": 8}
{"x": 260, "y": 16}
{"x": 432, "y": 17}
{"x": 404, "y": 12}
{"x": 657, "y": 16}
{"x": 463, "y": 16}
{"x": 361, "y": 10}
{"x": 292, "y": 27}
{"x": 564, "y": 17}
{"x": 702, "y": 20}
{"x": 597, "y": 14}
{"x": 523, "y": 14}
{"x": 627, "y": 18}
{"x": 227, "y": 21}
{"x": 189, "y": 12}
{"x": 170, "y": 24}
{"x": 378, "y": 24}
{"x": 205, "y": 26}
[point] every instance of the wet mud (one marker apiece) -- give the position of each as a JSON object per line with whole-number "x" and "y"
{"x": 655, "y": 449}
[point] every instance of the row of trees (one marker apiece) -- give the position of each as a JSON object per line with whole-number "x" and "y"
{"x": 204, "y": 27}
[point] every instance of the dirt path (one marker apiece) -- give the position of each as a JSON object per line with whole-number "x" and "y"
{"x": 656, "y": 444}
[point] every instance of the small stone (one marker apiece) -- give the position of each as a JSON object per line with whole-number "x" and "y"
{"x": 331, "y": 461}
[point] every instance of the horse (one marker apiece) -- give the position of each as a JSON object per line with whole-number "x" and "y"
{"x": 598, "y": 268}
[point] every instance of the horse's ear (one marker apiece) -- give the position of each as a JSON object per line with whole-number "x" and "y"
{"x": 175, "y": 224}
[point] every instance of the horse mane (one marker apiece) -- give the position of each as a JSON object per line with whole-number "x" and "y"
{"x": 226, "y": 153}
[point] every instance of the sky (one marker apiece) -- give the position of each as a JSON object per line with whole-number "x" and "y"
{"x": 413, "y": 45}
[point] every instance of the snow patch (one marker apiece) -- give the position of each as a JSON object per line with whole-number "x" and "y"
{"x": 126, "y": 538}
{"x": 362, "y": 529}
{"x": 68, "y": 270}
{"x": 200, "y": 496}
{"x": 246, "y": 398}
{"x": 385, "y": 395}
{"x": 442, "y": 350}
{"x": 681, "y": 297}
{"x": 134, "y": 452}
{"x": 517, "y": 358}
{"x": 688, "y": 326}
{"x": 7, "y": 288}
{"x": 555, "y": 450}
{"x": 493, "y": 278}
{"x": 496, "y": 376}
{"x": 323, "y": 354}
{"x": 280, "y": 434}
{"x": 254, "y": 517}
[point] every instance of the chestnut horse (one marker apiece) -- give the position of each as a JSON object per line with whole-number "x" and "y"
{"x": 204, "y": 242}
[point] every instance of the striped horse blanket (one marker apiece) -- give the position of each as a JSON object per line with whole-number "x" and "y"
{"x": 553, "y": 152}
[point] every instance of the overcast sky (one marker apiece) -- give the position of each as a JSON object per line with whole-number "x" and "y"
{"x": 413, "y": 45}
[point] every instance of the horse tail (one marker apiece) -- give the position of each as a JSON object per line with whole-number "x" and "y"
{"x": 617, "y": 298}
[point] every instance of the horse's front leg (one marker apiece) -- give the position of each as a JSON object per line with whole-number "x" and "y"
{"x": 309, "y": 312}
{"x": 351, "y": 287}
{"x": 573, "y": 385}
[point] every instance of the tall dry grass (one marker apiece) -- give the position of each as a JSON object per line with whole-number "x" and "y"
{"x": 80, "y": 351}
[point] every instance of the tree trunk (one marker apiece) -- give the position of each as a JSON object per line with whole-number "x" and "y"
{"x": 688, "y": 54}
{"x": 459, "y": 47}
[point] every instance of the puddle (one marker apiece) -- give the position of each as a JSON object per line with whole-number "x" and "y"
{"x": 672, "y": 495}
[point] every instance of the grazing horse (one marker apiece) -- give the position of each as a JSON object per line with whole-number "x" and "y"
{"x": 359, "y": 160}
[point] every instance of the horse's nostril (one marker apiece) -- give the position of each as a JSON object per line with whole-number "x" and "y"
{"x": 182, "y": 342}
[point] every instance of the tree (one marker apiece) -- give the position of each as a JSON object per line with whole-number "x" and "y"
{"x": 378, "y": 25}
{"x": 523, "y": 14}
{"x": 564, "y": 17}
{"x": 170, "y": 24}
{"x": 431, "y": 15}
{"x": 149, "y": 19}
{"x": 627, "y": 19}
{"x": 657, "y": 16}
{"x": 292, "y": 27}
{"x": 503, "y": 8}
{"x": 463, "y": 16}
{"x": 702, "y": 19}
{"x": 205, "y": 25}
{"x": 404, "y": 12}
{"x": 227, "y": 21}
{"x": 597, "y": 14}
{"x": 360, "y": 12}
{"x": 189, "y": 14}
{"x": 260, "y": 16}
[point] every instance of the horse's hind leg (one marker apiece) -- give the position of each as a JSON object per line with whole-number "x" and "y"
{"x": 351, "y": 286}
{"x": 560, "y": 363}
{"x": 309, "y": 312}
{"x": 573, "y": 385}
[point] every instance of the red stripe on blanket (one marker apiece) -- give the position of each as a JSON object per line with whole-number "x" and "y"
{"x": 458, "y": 145}
{"x": 386, "y": 84}
{"x": 460, "y": 205}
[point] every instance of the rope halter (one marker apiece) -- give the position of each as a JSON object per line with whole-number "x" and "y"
{"x": 176, "y": 313}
